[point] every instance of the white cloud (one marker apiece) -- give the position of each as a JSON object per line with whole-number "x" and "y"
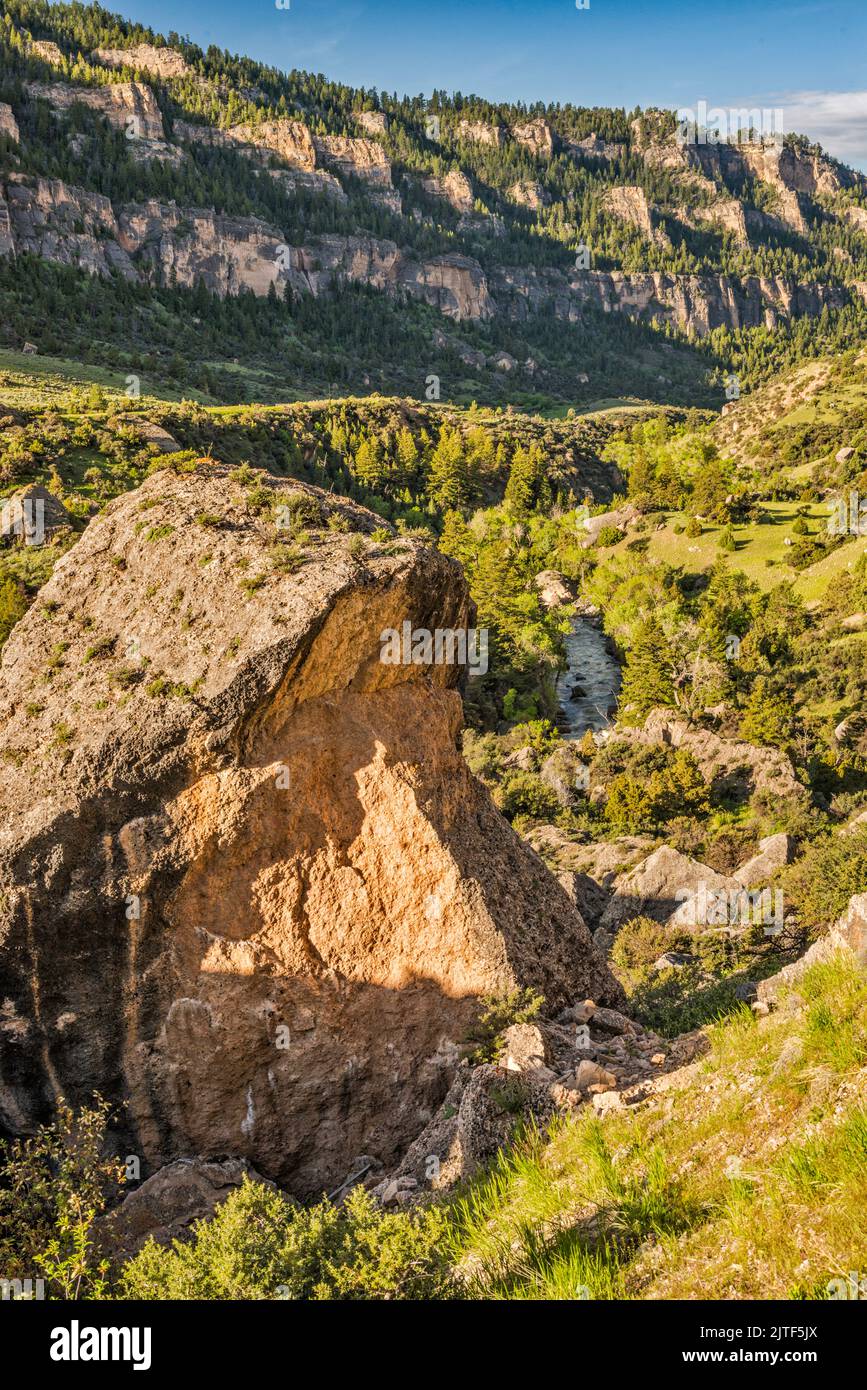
{"x": 836, "y": 120}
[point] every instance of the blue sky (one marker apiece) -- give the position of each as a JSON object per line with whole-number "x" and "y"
{"x": 809, "y": 58}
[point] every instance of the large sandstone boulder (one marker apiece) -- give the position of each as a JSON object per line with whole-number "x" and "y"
{"x": 664, "y": 887}
{"x": 247, "y": 882}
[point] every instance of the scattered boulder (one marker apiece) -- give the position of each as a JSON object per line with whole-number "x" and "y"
{"x": 589, "y": 1074}
{"x": 165, "y": 1204}
{"x": 672, "y": 960}
{"x": 524, "y": 1047}
{"x": 553, "y": 589}
{"x": 33, "y": 515}
{"x": 775, "y": 851}
{"x": 664, "y": 887}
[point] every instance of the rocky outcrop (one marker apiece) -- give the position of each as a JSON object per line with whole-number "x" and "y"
{"x": 481, "y": 133}
{"x": 294, "y": 145}
{"x": 363, "y": 159}
{"x": 529, "y": 194}
{"x": 70, "y": 226}
{"x": 145, "y": 57}
{"x": 629, "y": 204}
{"x": 857, "y": 218}
{"x": 848, "y": 934}
{"x": 374, "y": 122}
{"x": 454, "y": 187}
{"x": 741, "y": 767}
{"x": 663, "y": 887}
{"x": 700, "y": 303}
{"x": 594, "y": 147}
{"x": 49, "y": 52}
{"x": 161, "y": 242}
{"x": 782, "y": 164}
{"x": 247, "y": 883}
{"x": 131, "y": 106}
{"x": 289, "y": 140}
{"x": 8, "y": 123}
{"x": 31, "y": 514}
{"x": 695, "y": 303}
{"x": 536, "y": 136}
{"x": 553, "y": 589}
{"x": 456, "y": 285}
{"x": 187, "y": 245}
{"x": 775, "y": 851}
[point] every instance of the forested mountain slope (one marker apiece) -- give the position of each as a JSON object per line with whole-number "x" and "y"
{"x": 340, "y": 238}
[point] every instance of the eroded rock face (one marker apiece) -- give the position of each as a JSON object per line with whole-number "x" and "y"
{"x": 536, "y": 136}
{"x": 455, "y": 187}
{"x": 529, "y": 194}
{"x": 145, "y": 57}
{"x": 248, "y": 884}
{"x": 61, "y": 223}
{"x": 131, "y": 106}
{"x": 482, "y": 134}
{"x": 8, "y": 123}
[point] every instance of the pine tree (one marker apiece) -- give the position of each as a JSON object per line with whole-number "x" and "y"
{"x": 647, "y": 675}
{"x": 768, "y": 718}
{"x": 447, "y": 484}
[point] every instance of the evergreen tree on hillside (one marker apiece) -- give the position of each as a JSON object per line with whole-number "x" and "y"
{"x": 647, "y": 675}
{"x": 768, "y": 718}
{"x": 448, "y": 482}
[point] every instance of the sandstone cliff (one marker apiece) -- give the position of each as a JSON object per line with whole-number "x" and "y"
{"x": 161, "y": 242}
{"x": 247, "y": 882}
{"x": 145, "y": 57}
{"x": 131, "y": 106}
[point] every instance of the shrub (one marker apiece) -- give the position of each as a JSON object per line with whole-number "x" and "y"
{"x": 638, "y": 944}
{"x": 52, "y": 1187}
{"x": 13, "y": 605}
{"x": 820, "y": 884}
{"x": 499, "y": 1012}
{"x": 262, "y": 1245}
{"x": 538, "y": 734}
{"x": 608, "y": 535}
{"x": 525, "y": 794}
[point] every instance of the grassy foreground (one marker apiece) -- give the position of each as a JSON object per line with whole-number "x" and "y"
{"x": 745, "y": 1177}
